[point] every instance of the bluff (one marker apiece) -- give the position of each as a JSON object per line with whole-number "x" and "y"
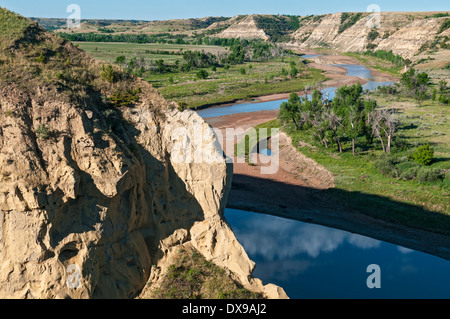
{"x": 405, "y": 33}
{"x": 93, "y": 196}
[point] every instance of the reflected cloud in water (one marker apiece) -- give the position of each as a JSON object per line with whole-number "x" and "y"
{"x": 311, "y": 261}
{"x": 276, "y": 238}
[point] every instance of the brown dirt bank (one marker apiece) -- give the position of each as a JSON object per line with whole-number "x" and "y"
{"x": 303, "y": 190}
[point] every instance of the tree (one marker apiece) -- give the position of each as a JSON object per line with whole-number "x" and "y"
{"x": 120, "y": 59}
{"x": 442, "y": 86}
{"x": 202, "y": 74}
{"x": 107, "y": 73}
{"x": 420, "y": 93}
{"x": 384, "y": 126}
{"x": 294, "y": 70}
{"x": 289, "y": 111}
{"x": 349, "y": 106}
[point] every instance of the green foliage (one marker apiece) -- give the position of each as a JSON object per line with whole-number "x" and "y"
{"x": 346, "y": 118}
{"x": 446, "y": 181}
{"x": 41, "y": 58}
{"x": 107, "y": 73}
{"x": 294, "y": 70}
{"x": 12, "y": 27}
{"x": 348, "y": 20}
{"x": 442, "y": 86}
{"x": 202, "y": 74}
{"x": 444, "y": 26}
{"x": 426, "y": 174}
{"x": 122, "y": 98}
{"x": 242, "y": 71}
{"x": 191, "y": 276}
{"x": 277, "y": 27}
{"x": 424, "y": 155}
{"x": 438, "y": 15}
{"x": 373, "y": 34}
{"x": 386, "y": 165}
{"x": 43, "y": 132}
{"x": 120, "y": 59}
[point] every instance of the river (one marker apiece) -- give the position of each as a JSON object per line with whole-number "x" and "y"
{"x": 316, "y": 262}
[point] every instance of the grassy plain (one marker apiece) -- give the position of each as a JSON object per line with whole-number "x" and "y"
{"x": 222, "y": 85}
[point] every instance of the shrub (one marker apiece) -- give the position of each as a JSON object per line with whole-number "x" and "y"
{"x": 426, "y": 174}
{"x": 446, "y": 181}
{"x": 386, "y": 166}
{"x": 410, "y": 173}
{"x": 43, "y": 132}
{"x": 107, "y": 73}
{"x": 120, "y": 59}
{"x": 124, "y": 97}
{"x": 424, "y": 155}
{"x": 373, "y": 34}
{"x": 41, "y": 58}
{"x": 202, "y": 74}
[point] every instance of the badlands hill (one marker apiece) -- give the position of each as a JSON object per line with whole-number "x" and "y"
{"x": 92, "y": 195}
{"x": 405, "y": 33}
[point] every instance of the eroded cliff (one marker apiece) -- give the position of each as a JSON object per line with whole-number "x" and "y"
{"x": 93, "y": 195}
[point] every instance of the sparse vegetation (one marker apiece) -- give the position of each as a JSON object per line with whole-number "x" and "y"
{"x": 348, "y": 20}
{"x": 43, "y": 132}
{"x": 191, "y": 276}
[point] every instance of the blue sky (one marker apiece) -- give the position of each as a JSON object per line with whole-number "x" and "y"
{"x": 178, "y": 9}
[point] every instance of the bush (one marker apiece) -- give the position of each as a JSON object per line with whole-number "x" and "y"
{"x": 124, "y": 97}
{"x": 424, "y": 155}
{"x": 446, "y": 181}
{"x": 429, "y": 174}
{"x": 386, "y": 166}
{"x": 107, "y": 73}
{"x": 409, "y": 174}
{"x": 43, "y": 132}
{"x": 202, "y": 74}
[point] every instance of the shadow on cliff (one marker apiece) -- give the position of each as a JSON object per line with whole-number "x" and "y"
{"x": 151, "y": 203}
{"x": 365, "y": 214}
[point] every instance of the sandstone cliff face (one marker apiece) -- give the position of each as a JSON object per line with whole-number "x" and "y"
{"x": 93, "y": 198}
{"x": 325, "y": 32}
{"x": 244, "y": 29}
{"x": 402, "y": 33}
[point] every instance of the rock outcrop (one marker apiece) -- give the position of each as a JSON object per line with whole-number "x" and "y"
{"x": 244, "y": 29}
{"x": 405, "y": 34}
{"x": 93, "y": 195}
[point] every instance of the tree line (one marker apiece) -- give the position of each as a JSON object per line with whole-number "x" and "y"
{"x": 347, "y": 118}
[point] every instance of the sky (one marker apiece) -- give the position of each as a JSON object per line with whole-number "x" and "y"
{"x": 181, "y": 9}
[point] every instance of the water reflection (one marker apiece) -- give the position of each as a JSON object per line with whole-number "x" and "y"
{"x": 285, "y": 238}
{"x": 311, "y": 261}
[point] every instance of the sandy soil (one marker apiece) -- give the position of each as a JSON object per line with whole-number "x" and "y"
{"x": 301, "y": 190}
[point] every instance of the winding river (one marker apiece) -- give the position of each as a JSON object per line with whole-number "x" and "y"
{"x": 316, "y": 262}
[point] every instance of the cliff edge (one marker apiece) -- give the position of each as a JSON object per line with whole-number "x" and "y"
{"x": 93, "y": 195}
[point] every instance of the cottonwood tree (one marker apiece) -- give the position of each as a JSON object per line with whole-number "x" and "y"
{"x": 384, "y": 126}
